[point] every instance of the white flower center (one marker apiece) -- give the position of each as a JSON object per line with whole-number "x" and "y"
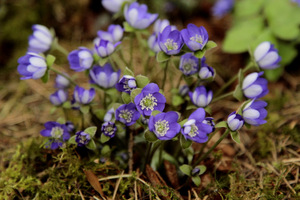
{"x": 171, "y": 45}
{"x": 56, "y": 132}
{"x": 194, "y": 130}
{"x": 109, "y": 130}
{"x": 189, "y": 66}
{"x": 82, "y": 139}
{"x": 148, "y": 102}
{"x": 161, "y": 127}
{"x": 126, "y": 115}
{"x": 197, "y": 38}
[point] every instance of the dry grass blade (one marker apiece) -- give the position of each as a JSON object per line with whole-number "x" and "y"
{"x": 93, "y": 180}
{"x": 117, "y": 185}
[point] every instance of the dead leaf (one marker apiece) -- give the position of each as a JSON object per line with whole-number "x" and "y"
{"x": 171, "y": 173}
{"x": 93, "y": 180}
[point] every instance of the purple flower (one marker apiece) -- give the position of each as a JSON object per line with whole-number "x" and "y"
{"x": 109, "y": 115}
{"x": 82, "y": 138}
{"x": 164, "y": 125}
{"x": 201, "y": 97}
{"x": 109, "y": 129}
{"x": 137, "y": 16}
{"x": 83, "y": 96}
{"x": 153, "y": 43}
{"x": 105, "y": 48}
{"x": 81, "y": 59}
{"x": 222, "y": 7}
{"x": 235, "y": 121}
{"x": 127, "y": 114}
{"x": 189, "y": 64}
{"x": 59, "y": 97}
{"x": 61, "y": 82}
{"x": 114, "y": 33}
{"x": 195, "y": 37}
{"x": 57, "y": 133}
{"x": 184, "y": 90}
{"x": 210, "y": 121}
{"x": 195, "y": 129}
{"x": 267, "y": 56}
{"x": 32, "y": 66}
{"x": 170, "y": 41}
{"x": 255, "y": 87}
{"x": 206, "y": 71}
{"x": 105, "y": 76}
{"x": 126, "y": 84}
{"x": 70, "y": 126}
{"x": 254, "y": 112}
{"x": 150, "y": 99}
{"x": 41, "y": 39}
{"x": 113, "y": 6}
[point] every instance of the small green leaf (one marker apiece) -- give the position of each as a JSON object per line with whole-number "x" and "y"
{"x": 85, "y": 109}
{"x": 67, "y": 105}
{"x": 200, "y": 53}
{"x": 210, "y": 45}
{"x": 72, "y": 140}
{"x": 162, "y": 57}
{"x": 91, "y": 131}
{"x": 61, "y": 120}
{"x": 50, "y": 59}
{"x": 127, "y": 71}
{"x": 91, "y": 145}
{"x": 126, "y": 97}
{"x": 141, "y": 81}
{"x": 103, "y": 61}
{"x": 185, "y": 143}
{"x": 202, "y": 169}
{"x": 155, "y": 112}
{"x": 100, "y": 113}
{"x": 53, "y": 109}
{"x": 177, "y": 100}
{"x": 208, "y": 109}
{"x": 190, "y": 107}
{"x": 127, "y": 27}
{"x": 104, "y": 138}
{"x": 221, "y": 124}
{"x": 46, "y": 76}
{"x": 238, "y": 93}
{"x": 183, "y": 122}
{"x": 105, "y": 151}
{"x": 247, "y": 8}
{"x": 196, "y": 180}
{"x": 116, "y": 105}
{"x": 186, "y": 169}
{"x": 150, "y": 136}
{"x": 134, "y": 93}
{"x": 235, "y": 136}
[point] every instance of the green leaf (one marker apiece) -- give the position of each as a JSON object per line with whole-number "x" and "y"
{"x": 247, "y": 8}
{"x": 127, "y": 71}
{"x": 91, "y": 145}
{"x": 116, "y": 105}
{"x": 177, "y": 100}
{"x": 105, "y": 151}
{"x": 200, "y": 53}
{"x": 150, "y": 136}
{"x": 238, "y": 93}
{"x": 67, "y": 105}
{"x": 235, "y": 136}
{"x": 162, "y": 57}
{"x": 85, "y": 109}
{"x": 127, "y": 27}
{"x": 141, "y": 81}
{"x": 287, "y": 51}
{"x": 104, "y": 138}
{"x": 208, "y": 109}
{"x": 53, "y": 109}
{"x": 126, "y": 97}
{"x": 202, "y": 169}
{"x": 155, "y": 112}
{"x": 100, "y": 113}
{"x": 46, "y": 76}
{"x": 103, "y": 61}
{"x": 240, "y": 77}
{"x": 242, "y": 34}
{"x": 266, "y": 35}
{"x": 222, "y": 124}
{"x": 196, "y": 180}
{"x": 186, "y": 169}
{"x": 91, "y": 131}
{"x": 185, "y": 143}
{"x": 72, "y": 140}
{"x": 134, "y": 93}
{"x": 183, "y": 122}
{"x": 61, "y": 120}
{"x": 50, "y": 59}
{"x": 210, "y": 45}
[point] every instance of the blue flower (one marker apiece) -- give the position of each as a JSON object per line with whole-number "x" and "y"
{"x": 114, "y": 33}
{"x": 201, "y": 97}
{"x": 164, "y": 125}
{"x": 109, "y": 129}
{"x": 105, "y": 76}
{"x": 113, "y": 6}
{"x": 189, "y": 64}
{"x": 206, "y": 71}
{"x": 149, "y": 100}
{"x": 83, "y": 96}
{"x": 32, "y": 66}
{"x": 153, "y": 43}
{"x": 126, "y": 84}
{"x": 195, "y": 129}
{"x": 59, "y": 97}
{"x": 254, "y": 112}
{"x": 41, "y": 39}
{"x": 137, "y": 16}
{"x": 195, "y": 37}
{"x": 222, "y": 7}
{"x": 81, "y": 59}
{"x": 255, "y": 87}
{"x": 82, "y": 138}
{"x": 210, "y": 121}
{"x": 61, "y": 82}
{"x": 235, "y": 121}
{"x": 267, "y": 56}
{"x": 70, "y": 126}
{"x": 127, "y": 114}
{"x": 57, "y": 133}
{"x": 170, "y": 41}
{"x": 184, "y": 90}
{"x": 109, "y": 115}
{"x": 105, "y": 48}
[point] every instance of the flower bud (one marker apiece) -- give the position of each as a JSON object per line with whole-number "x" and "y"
{"x": 235, "y": 121}
{"x": 255, "y": 87}
{"x": 201, "y": 97}
{"x": 61, "y": 82}
{"x": 126, "y": 84}
{"x": 41, "y": 39}
{"x": 113, "y": 6}
{"x": 267, "y": 56}
{"x": 81, "y": 59}
{"x": 83, "y": 96}
{"x": 59, "y": 97}
{"x": 254, "y": 112}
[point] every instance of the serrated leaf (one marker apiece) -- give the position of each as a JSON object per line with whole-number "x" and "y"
{"x": 196, "y": 180}
{"x": 200, "y": 53}
{"x": 210, "y": 45}
{"x": 50, "y": 59}
{"x": 127, "y": 71}
{"x": 162, "y": 57}
{"x": 235, "y": 136}
{"x": 134, "y": 93}
{"x": 186, "y": 169}
{"x": 91, "y": 131}
{"x": 185, "y": 143}
{"x": 91, "y": 145}
{"x": 72, "y": 140}
{"x": 222, "y": 124}
{"x": 141, "y": 81}
{"x": 104, "y": 138}
{"x": 238, "y": 93}
{"x": 126, "y": 97}
{"x": 150, "y": 136}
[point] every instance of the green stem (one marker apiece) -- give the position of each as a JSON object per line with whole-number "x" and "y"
{"x": 249, "y": 66}
{"x": 112, "y": 63}
{"x": 62, "y": 74}
{"x": 212, "y": 148}
{"x": 165, "y": 75}
{"x": 82, "y": 121}
{"x": 131, "y": 51}
{"x": 223, "y": 96}
{"x": 161, "y": 149}
{"x": 61, "y": 49}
